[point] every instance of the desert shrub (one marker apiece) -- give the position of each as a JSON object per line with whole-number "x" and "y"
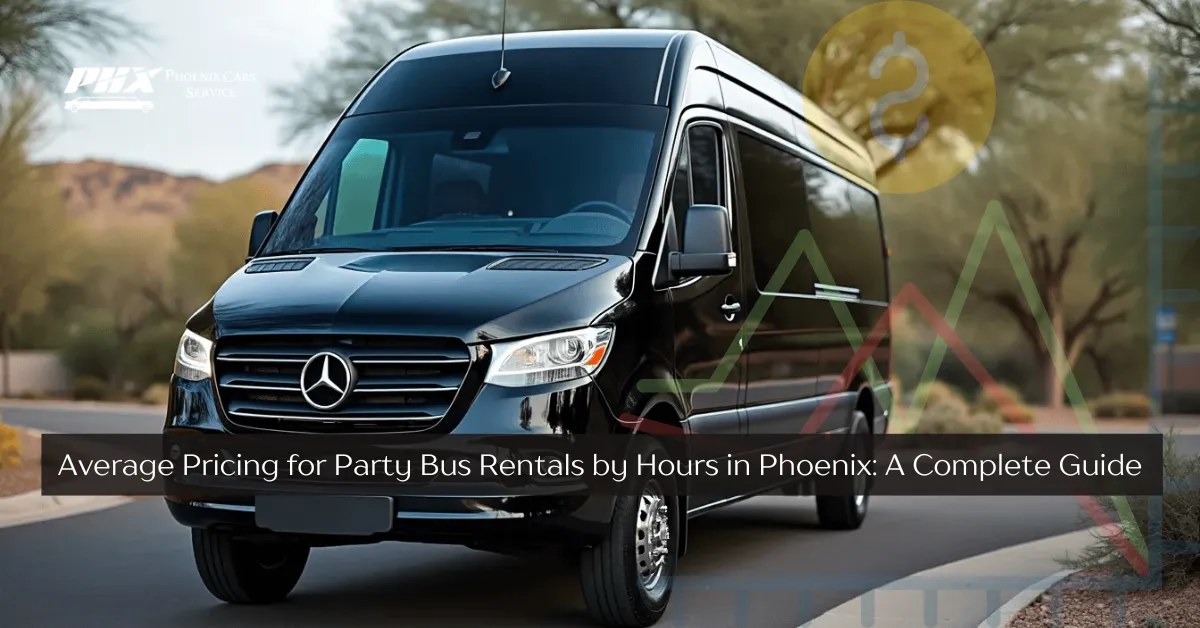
{"x": 955, "y": 417}
{"x": 1121, "y": 406}
{"x": 1154, "y": 621}
{"x": 10, "y": 446}
{"x": 157, "y": 395}
{"x": 1012, "y": 410}
{"x": 1180, "y": 503}
{"x": 89, "y": 388}
{"x": 90, "y": 352}
{"x": 150, "y": 358}
{"x": 936, "y": 393}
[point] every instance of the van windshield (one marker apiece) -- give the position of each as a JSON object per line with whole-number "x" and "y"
{"x": 563, "y": 177}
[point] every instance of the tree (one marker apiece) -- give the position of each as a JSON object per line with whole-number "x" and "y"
{"x": 125, "y": 274}
{"x": 37, "y": 240}
{"x": 36, "y": 35}
{"x": 1176, "y": 36}
{"x": 213, "y": 236}
{"x": 1067, "y": 212}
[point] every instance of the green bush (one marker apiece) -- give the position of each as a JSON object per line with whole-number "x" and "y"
{"x": 1121, "y": 406}
{"x": 150, "y": 358}
{"x": 36, "y": 395}
{"x": 89, "y": 388}
{"x": 937, "y": 393}
{"x": 1013, "y": 410}
{"x": 955, "y": 417}
{"x": 90, "y": 352}
{"x": 157, "y": 395}
{"x": 1180, "y": 503}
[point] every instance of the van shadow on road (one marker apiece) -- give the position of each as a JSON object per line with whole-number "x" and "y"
{"x": 475, "y": 588}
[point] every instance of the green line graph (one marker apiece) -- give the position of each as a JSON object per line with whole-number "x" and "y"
{"x": 994, "y": 222}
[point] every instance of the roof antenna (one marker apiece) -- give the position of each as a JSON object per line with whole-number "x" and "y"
{"x": 501, "y": 75}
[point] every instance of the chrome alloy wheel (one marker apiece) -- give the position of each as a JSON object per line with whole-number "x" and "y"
{"x": 653, "y": 537}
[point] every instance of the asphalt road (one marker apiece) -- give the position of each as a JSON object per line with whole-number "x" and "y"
{"x": 132, "y": 566}
{"x": 762, "y": 563}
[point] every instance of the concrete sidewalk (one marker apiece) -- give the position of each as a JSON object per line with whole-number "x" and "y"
{"x": 962, "y": 594}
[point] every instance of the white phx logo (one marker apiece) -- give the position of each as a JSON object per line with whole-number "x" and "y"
{"x": 111, "y": 81}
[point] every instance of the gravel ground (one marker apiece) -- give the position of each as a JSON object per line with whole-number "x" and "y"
{"x": 28, "y": 476}
{"x": 1098, "y": 608}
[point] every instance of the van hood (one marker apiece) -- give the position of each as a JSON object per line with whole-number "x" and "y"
{"x": 472, "y": 296}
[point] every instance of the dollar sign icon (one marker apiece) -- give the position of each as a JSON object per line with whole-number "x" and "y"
{"x": 899, "y": 48}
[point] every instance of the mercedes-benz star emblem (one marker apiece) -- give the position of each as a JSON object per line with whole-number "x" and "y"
{"x": 327, "y": 380}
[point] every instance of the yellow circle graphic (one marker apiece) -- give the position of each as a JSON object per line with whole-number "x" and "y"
{"x": 913, "y": 83}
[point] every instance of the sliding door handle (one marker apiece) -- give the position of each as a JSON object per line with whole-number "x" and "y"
{"x": 841, "y": 291}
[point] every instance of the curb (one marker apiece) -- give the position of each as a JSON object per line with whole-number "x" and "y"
{"x": 33, "y": 507}
{"x": 1004, "y": 615}
{"x": 966, "y": 589}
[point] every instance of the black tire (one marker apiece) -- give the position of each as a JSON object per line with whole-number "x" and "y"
{"x": 842, "y": 510}
{"x": 243, "y": 572}
{"x": 611, "y": 572}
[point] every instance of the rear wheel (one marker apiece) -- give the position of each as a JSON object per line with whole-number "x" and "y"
{"x": 239, "y": 571}
{"x": 846, "y": 507}
{"x": 628, "y": 577}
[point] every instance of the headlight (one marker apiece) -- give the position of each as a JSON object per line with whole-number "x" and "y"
{"x": 549, "y": 359}
{"x": 193, "y": 360}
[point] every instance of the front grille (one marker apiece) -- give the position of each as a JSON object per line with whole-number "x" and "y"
{"x": 403, "y": 385}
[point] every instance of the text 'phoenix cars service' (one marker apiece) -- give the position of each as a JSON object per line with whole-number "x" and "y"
{"x": 461, "y": 258}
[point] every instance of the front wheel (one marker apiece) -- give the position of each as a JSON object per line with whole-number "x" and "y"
{"x": 239, "y": 571}
{"x": 846, "y": 509}
{"x": 628, "y": 577}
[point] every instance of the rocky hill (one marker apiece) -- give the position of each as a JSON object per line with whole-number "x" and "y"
{"x": 104, "y": 194}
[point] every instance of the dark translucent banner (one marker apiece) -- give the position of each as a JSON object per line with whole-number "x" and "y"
{"x": 194, "y": 465}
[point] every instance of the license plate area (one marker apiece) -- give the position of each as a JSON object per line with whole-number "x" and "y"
{"x": 346, "y": 515}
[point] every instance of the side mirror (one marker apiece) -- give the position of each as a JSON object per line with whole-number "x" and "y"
{"x": 263, "y": 221}
{"x": 707, "y": 244}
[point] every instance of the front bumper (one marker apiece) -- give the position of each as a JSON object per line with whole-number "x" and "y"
{"x": 559, "y": 409}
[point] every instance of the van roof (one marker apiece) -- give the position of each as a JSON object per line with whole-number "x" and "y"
{"x": 615, "y": 66}
{"x": 592, "y": 38}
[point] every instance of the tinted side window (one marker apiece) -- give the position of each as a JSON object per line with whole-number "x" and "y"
{"x": 774, "y": 184}
{"x": 704, "y": 145}
{"x": 846, "y": 227}
{"x": 681, "y": 192}
{"x": 698, "y": 175}
{"x": 867, "y": 216}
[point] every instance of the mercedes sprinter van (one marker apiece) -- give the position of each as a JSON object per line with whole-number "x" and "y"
{"x": 478, "y": 250}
